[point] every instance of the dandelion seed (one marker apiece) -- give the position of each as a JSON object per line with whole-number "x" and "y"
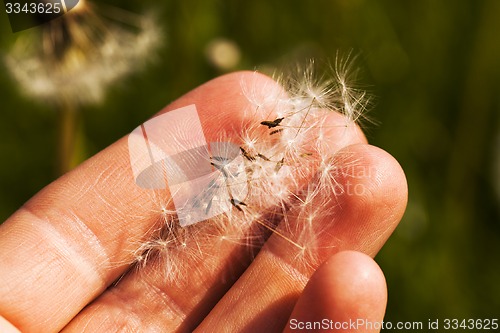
{"x": 247, "y": 155}
{"x": 263, "y": 157}
{"x": 272, "y": 124}
{"x": 279, "y": 165}
{"x": 276, "y": 131}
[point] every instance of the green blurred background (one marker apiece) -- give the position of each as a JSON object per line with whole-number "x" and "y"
{"x": 434, "y": 67}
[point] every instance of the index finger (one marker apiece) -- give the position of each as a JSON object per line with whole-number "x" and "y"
{"x": 73, "y": 239}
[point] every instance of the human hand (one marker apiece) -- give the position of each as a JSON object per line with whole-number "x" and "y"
{"x": 61, "y": 252}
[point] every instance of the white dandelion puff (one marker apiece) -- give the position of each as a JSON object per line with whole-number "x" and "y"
{"x": 290, "y": 174}
{"x": 77, "y": 57}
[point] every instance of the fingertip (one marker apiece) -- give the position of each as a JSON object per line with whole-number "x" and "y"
{"x": 374, "y": 196}
{"x": 347, "y": 288}
{"x": 357, "y": 282}
{"x": 380, "y": 172}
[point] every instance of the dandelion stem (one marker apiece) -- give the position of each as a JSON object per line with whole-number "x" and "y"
{"x": 68, "y": 137}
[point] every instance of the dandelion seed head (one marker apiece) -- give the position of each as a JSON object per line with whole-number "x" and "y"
{"x": 79, "y": 56}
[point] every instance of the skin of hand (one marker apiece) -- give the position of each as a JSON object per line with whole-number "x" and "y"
{"x": 61, "y": 252}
